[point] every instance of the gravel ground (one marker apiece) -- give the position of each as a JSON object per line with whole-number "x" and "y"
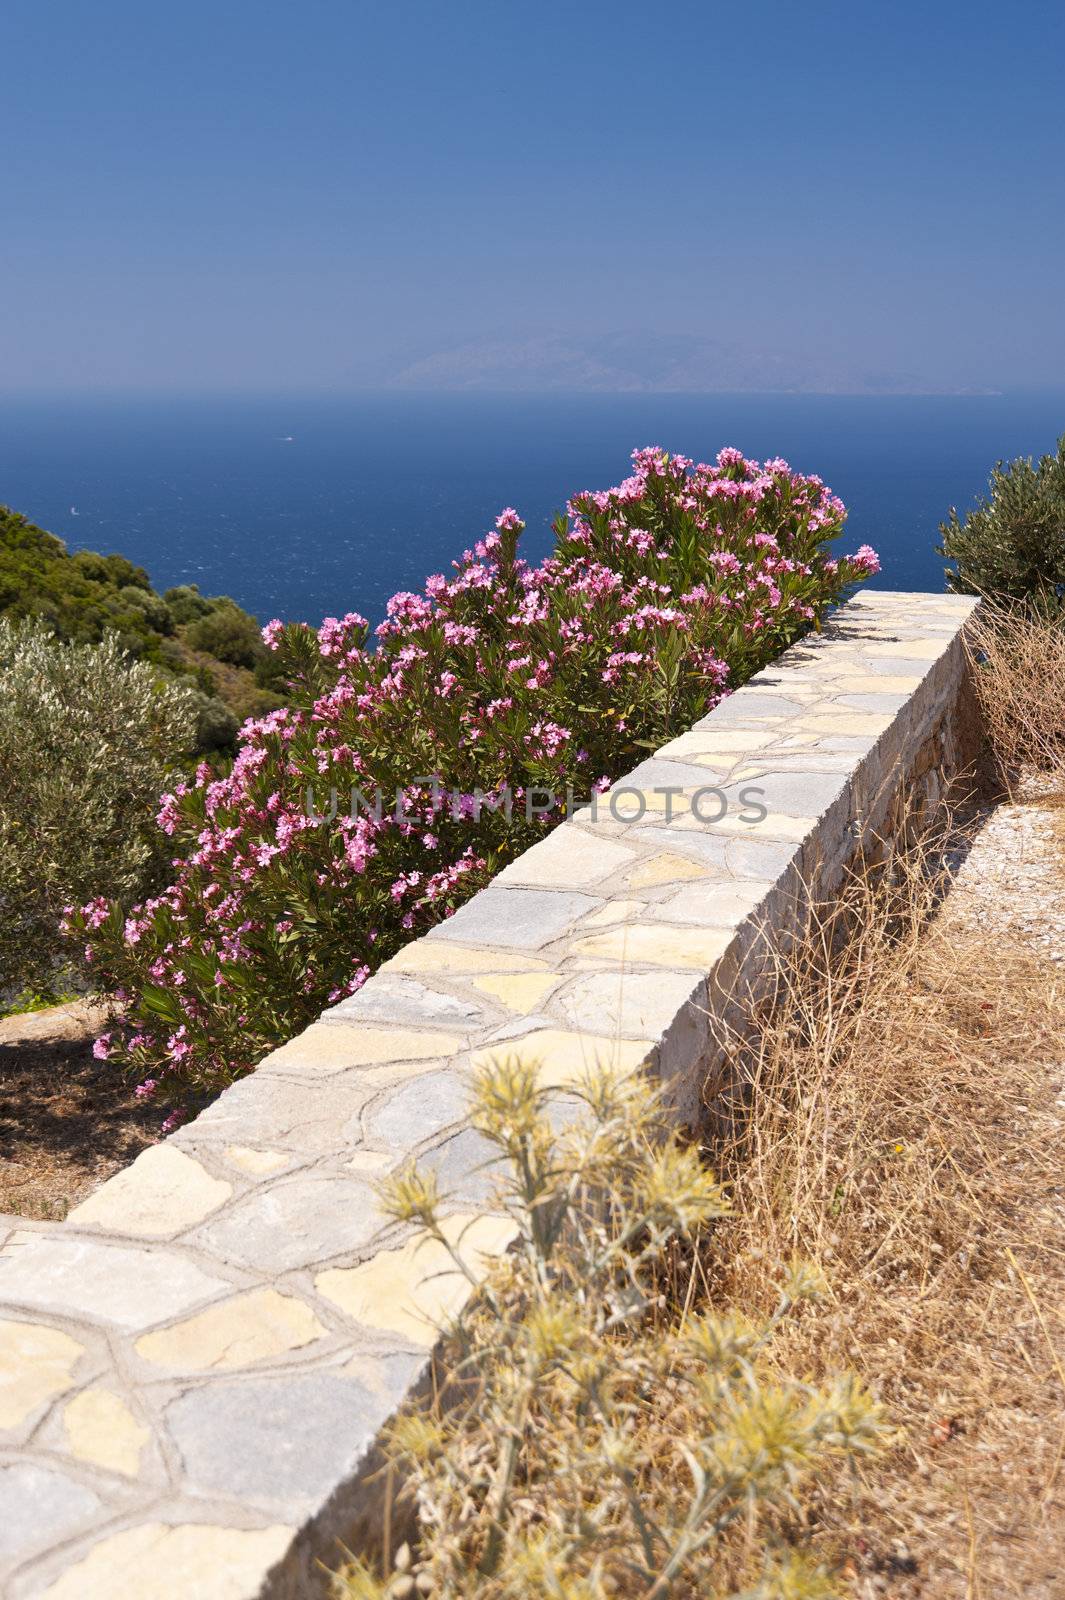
{"x": 1012, "y": 880}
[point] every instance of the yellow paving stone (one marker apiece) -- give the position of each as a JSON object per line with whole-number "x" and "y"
{"x": 256, "y": 1162}
{"x": 248, "y": 1328}
{"x": 714, "y": 741}
{"x": 872, "y": 683}
{"x": 179, "y": 1562}
{"x": 519, "y": 991}
{"x": 563, "y": 1056}
{"x": 357, "y": 1044}
{"x": 443, "y": 956}
{"x": 369, "y": 1161}
{"x": 657, "y": 945}
{"x": 101, "y": 1428}
{"x": 745, "y": 773}
{"x": 614, "y": 911}
{"x": 775, "y": 826}
{"x": 676, "y": 803}
{"x": 163, "y": 1192}
{"x": 846, "y": 720}
{"x": 794, "y": 683}
{"x": 665, "y": 868}
{"x": 395, "y": 1072}
{"x": 910, "y": 649}
{"x": 413, "y": 1290}
{"x": 36, "y": 1364}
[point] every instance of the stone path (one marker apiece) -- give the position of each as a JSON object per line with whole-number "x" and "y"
{"x": 193, "y": 1367}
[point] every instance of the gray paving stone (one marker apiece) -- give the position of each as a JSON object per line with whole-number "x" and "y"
{"x": 759, "y": 858}
{"x": 794, "y": 794}
{"x": 634, "y": 1005}
{"x": 419, "y": 1108}
{"x": 712, "y": 905}
{"x": 570, "y": 858}
{"x": 295, "y": 1223}
{"x": 874, "y": 702}
{"x": 132, "y": 1286}
{"x": 39, "y": 1507}
{"x": 393, "y": 997}
{"x": 297, "y": 1113}
{"x": 515, "y": 919}
{"x": 286, "y": 1440}
{"x": 656, "y": 773}
{"x": 710, "y": 849}
{"x": 895, "y": 666}
{"x": 467, "y": 1167}
{"x": 751, "y": 706}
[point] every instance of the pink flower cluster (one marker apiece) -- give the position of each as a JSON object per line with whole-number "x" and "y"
{"x": 659, "y": 596}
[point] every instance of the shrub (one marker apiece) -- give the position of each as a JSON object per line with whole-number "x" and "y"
{"x": 659, "y": 596}
{"x": 1012, "y": 546}
{"x": 82, "y": 597}
{"x": 216, "y": 725}
{"x": 227, "y": 633}
{"x": 186, "y": 602}
{"x": 154, "y": 610}
{"x": 87, "y": 738}
{"x": 601, "y": 1427}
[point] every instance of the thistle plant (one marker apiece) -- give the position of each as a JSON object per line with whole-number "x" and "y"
{"x": 600, "y": 1430}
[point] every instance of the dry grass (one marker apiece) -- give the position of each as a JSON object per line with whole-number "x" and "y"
{"x": 1018, "y": 660}
{"x": 904, "y": 1137}
{"x": 897, "y": 1124}
{"x": 899, "y": 1133}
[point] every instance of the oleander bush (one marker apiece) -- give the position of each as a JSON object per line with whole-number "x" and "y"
{"x": 1012, "y": 545}
{"x": 601, "y": 1428}
{"x": 87, "y": 739}
{"x": 660, "y": 596}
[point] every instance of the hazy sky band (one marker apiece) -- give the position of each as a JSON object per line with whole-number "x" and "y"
{"x": 266, "y": 197}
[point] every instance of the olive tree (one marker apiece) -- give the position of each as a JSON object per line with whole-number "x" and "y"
{"x": 88, "y": 741}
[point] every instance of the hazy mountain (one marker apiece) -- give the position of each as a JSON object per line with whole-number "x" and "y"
{"x": 622, "y": 362}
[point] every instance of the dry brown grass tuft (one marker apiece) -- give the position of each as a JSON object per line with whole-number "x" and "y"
{"x": 904, "y": 1137}
{"x": 1018, "y": 661}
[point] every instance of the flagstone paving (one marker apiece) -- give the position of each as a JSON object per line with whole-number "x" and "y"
{"x": 195, "y": 1365}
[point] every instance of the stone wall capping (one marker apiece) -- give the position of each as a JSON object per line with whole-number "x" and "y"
{"x": 196, "y": 1366}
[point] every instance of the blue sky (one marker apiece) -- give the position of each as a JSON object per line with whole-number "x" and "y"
{"x": 270, "y": 197}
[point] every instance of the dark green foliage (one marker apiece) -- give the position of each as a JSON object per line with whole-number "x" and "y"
{"x": 82, "y": 597}
{"x": 1012, "y": 545}
{"x": 187, "y": 603}
{"x": 216, "y": 724}
{"x": 228, "y": 634}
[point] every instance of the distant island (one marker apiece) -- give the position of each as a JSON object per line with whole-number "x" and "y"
{"x": 635, "y": 363}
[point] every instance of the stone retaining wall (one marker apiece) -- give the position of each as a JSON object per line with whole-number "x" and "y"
{"x": 195, "y": 1365}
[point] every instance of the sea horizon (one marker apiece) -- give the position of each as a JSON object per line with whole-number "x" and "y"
{"x": 302, "y": 505}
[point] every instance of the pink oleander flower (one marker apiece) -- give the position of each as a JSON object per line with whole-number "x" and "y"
{"x": 866, "y": 558}
{"x": 102, "y": 1047}
{"x": 501, "y": 678}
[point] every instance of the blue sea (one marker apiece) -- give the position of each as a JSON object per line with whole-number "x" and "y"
{"x": 301, "y": 507}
